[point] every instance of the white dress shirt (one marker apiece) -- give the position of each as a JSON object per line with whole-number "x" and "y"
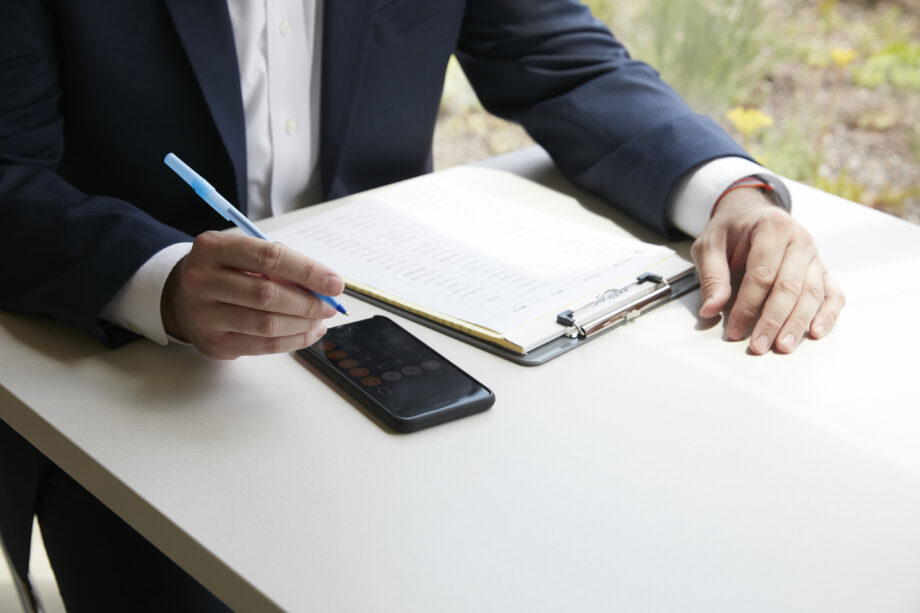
{"x": 278, "y": 48}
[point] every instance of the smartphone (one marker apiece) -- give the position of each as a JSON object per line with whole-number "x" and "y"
{"x": 403, "y": 381}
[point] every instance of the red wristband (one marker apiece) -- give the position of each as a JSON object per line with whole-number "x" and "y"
{"x": 746, "y": 182}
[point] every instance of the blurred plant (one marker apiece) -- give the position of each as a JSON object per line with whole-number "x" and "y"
{"x": 842, "y": 185}
{"x": 898, "y": 64}
{"x": 458, "y": 95}
{"x": 748, "y": 122}
{"x": 877, "y": 120}
{"x": 881, "y": 27}
{"x": 829, "y": 17}
{"x": 894, "y": 201}
{"x": 710, "y": 51}
{"x": 842, "y": 56}
{"x": 602, "y": 9}
{"x": 792, "y": 149}
{"x": 915, "y": 144}
{"x": 814, "y": 53}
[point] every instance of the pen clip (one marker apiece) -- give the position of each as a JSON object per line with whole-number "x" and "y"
{"x": 615, "y": 306}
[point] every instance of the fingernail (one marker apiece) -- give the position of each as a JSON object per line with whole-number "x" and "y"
{"x": 761, "y": 344}
{"x": 706, "y": 304}
{"x": 333, "y": 284}
{"x": 788, "y": 341}
{"x": 735, "y": 333}
{"x": 818, "y": 329}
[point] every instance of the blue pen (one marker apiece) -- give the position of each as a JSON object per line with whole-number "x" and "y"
{"x": 228, "y": 211}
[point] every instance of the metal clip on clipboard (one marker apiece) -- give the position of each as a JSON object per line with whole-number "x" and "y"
{"x": 615, "y": 306}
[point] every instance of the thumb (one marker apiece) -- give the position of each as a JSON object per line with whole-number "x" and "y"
{"x": 711, "y": 259}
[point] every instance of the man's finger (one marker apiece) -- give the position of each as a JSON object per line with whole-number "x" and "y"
{"x": 811, "y": 298}
{"x": 827, "y": 314}
{"x": 709, "y": 255}
{"x": 274, "y": 259}
{"x": 763, "y": 265}
{"x": 253, "y": 322}
{"x": 794, "y": 277}
{"x": 256, "y": 292}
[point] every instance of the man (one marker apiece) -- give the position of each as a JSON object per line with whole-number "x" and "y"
{"x": 280, "y": 104}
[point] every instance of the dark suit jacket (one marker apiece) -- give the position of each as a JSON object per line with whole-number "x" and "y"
{"x": 94, "y": 94}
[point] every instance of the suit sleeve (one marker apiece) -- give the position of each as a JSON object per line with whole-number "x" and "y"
{"x": 65, "y": 253}
{"x": 609, "y": 122}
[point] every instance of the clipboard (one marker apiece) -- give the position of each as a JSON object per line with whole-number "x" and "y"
{"x": 492, "y": 259}
{"x": 614, "y": 308}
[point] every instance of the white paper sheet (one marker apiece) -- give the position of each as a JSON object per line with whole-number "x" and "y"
{"x": 461, "y": 251}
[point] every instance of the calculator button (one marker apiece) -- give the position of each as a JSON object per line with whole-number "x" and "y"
{"x": 359, "y": 372}
{"x": 391, "y": 375}
{"x": 411, "y": 370}
{"x": 431, "y": 365}
{"x": 349, "y": 363}
{"x": 384, "y": 391}
{"x": 338, "y": 354}
{"x": 371, "y": 381}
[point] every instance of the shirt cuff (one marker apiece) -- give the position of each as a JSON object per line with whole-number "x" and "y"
{"x": 697, "y": 191}
{"x": 136, "y": 307}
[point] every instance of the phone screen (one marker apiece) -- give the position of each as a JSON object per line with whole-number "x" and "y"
{"x": 405, "y": 382}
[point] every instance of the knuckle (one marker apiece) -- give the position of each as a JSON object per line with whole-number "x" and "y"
{"x": 273, "y": 345}
{"x": 790, "y": 285}
{"x": 308, "y": 338}
{"x": 802, "y": 234}
{"x": 316, "y": 308}
{"x": 780, "y": 218}
{"x": 762, "y": 275}
{"x": 768, "y": 322}
{"x": 308, "y": 269}
{"x": 315, "y": 334}
{"x": 267, "y": 325}
{"x": 318, "y": 334}
{"x": 702, "y": 246}
{"x": 269, "y": 256}
{"x": 199, "y": 315}
{"x": 830, "y": 313}
{"x": 192, "y": 278}
{"x": 207, "y": 241}
{"x": 709, "y": 283}
{"x": 816, "y": 292}
{"x": 835, "y": 295}
{"x": 696, "y": 248}
{"x": 744, "y": 312}
{"x": 797, "y": 325}
{"x": 215, "y": 350}
{"x": 265, "y": 294}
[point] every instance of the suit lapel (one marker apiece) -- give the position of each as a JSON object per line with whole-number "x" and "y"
{"x": 346, "y": 38}
{"x": 206, "y": 33}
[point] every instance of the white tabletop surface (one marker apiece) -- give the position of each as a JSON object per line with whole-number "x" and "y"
{"x": 658, "y": 468}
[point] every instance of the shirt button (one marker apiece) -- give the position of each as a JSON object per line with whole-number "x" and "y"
{"x": 285, "y": 27}
{"x": 290, "y": 126}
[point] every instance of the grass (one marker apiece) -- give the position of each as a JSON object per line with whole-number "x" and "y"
{"x": 711, "y": 51}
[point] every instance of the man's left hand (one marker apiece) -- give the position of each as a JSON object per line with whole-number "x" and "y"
{"x": 785, "y": 291}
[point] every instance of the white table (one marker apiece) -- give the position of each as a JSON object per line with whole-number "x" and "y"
{"x": 658, "y": 468}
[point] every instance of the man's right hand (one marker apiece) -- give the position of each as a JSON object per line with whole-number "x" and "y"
{"x": 234, "y": 295}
